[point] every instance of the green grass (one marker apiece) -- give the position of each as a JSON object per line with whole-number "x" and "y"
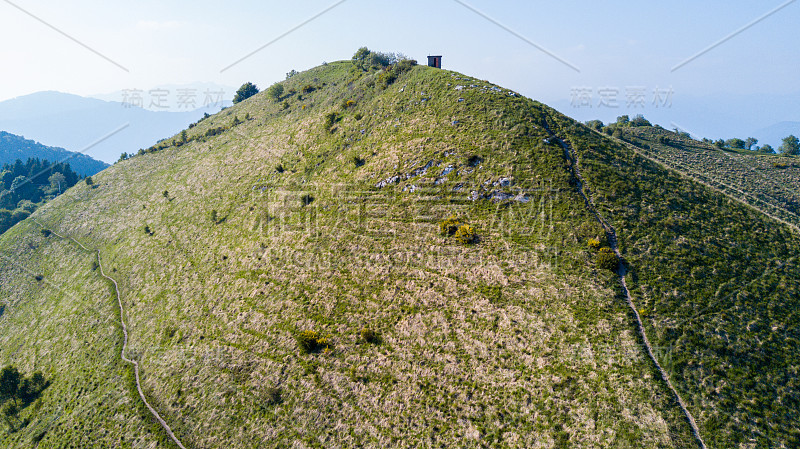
{"x": 767, "y": 182}
{"x": 516, "y": 341}
{"x": 718, "y": 284}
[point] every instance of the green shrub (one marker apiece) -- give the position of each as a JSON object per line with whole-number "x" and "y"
{"x": 272, "y": 396}
{"x": 89, "y": 181}
{"x": 308, "y": 88}
{"x": 214, "y": 131}
{"x": 169, "y": 332}
{"x": 386, "y": 78}
{"x": 275, "y": 91}
{"x": 465, "y": 234}
{"x": 311, "y": 341}
{"x": 246, "y": 91}
{"x": 369, "y": 336}
{"x": 607, "y": 260}
{"x": 330, "y": 120}
{"x": 306, "y": 199}
{"x": 639, "y": 120}
{"x": 449, "y": 226}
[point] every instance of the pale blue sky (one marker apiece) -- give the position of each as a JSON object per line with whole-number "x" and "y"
{"x": 615, "y": 44}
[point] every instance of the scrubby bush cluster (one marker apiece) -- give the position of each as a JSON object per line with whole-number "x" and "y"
{"x": 623, "y": 121}
{"x": 330, "y": 120}
{"x": 462, "y": 232}
{"x": 392, "y": 65}
{"x": 606, "y": 259}
{"x": 449, "y": 226}
{"x": 275, "y": 91}
{"x": 366, "y": 59}
{"x": 369, "y": 335}
{"x": 214, "y": 131}
{"x": 466, "y": 234}
{"x": 311, "y": 341}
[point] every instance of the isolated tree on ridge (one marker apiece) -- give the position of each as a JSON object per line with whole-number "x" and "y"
{"x": 246, "y": 91}
{"x": 790, "y": 146}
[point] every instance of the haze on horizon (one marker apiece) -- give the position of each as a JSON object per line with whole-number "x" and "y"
{"x": 589, "y": 62}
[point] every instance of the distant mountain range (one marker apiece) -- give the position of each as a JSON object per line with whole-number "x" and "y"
{"x": 13, "y": 147}
{"x": 100, "y": 129}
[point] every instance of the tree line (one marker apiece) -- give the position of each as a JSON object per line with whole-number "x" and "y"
{"x": 790, "y": 145}
{"x": 25, "y": 186}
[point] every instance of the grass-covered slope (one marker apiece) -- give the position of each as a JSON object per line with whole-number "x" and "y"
{"x": 57, "y": 317}
{"x": 770, "y": 183}
{"x": 516, "y": 341}
{"x": 319, "y": 212}
{"x": 718, "y": 285}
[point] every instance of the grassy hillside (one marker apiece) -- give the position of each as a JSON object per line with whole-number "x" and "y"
{"x": 718, "y": 285}
{"x": 320, "y": 212}
{"x": 770, "y": 183}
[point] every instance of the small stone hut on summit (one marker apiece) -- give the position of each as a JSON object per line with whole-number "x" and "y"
{"x": 435, "y": 61}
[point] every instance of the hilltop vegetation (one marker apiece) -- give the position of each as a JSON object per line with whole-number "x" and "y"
{"x": 290, "y": 279}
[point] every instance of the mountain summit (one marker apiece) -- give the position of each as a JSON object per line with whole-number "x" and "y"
{"x": 379, "y": 254}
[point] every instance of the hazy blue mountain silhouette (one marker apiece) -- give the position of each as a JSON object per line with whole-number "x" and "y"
{"x": 13, "y": 147}
{"x": 74, "y": 123}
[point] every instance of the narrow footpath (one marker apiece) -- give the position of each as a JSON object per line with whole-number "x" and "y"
{"x": 622, "y": 270}
{"x": 125, "y": 334}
